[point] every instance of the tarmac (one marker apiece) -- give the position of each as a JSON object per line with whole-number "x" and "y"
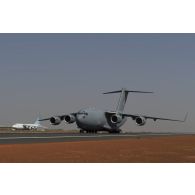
{"x": 25, "y": 138}
{"x": 53, "y": 147}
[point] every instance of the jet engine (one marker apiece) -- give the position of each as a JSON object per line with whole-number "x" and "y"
{"x": 140, "y": 121}
{"x": 116, "y": 118}
{"x": 70, "y": 118}
{"x": 55, "y": 120}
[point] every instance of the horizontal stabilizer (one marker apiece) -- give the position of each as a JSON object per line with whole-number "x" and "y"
{"x": 113, "y": 92}
{"x": 127, "y": 92}
{"x": 123, "y": 97}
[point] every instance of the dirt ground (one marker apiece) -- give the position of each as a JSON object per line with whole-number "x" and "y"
{"x": 149, "y": 149}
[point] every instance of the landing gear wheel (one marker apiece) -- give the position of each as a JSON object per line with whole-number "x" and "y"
{"x": 115, "y": 132}
{"x": 81, "y": 131}
{"x": 119, "y": 131}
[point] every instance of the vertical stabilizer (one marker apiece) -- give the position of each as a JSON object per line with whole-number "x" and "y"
{"x": 123, "y": 98}
{"x": 37, "y": 122}
{"x": 122, "y": 101}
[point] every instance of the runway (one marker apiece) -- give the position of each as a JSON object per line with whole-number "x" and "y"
{"x": 96, "y": 148}
{"x": 24, "y": 138}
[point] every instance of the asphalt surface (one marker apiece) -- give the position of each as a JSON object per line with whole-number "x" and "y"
{"x": 24, "y": 138}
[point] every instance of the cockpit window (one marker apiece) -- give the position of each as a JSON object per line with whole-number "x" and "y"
{"x": 83, "y": 113}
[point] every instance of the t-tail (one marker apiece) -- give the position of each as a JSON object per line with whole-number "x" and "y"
{"x": 123, "y": 98}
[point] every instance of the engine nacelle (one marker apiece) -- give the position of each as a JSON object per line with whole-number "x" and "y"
{"x": 55, "y": 120}
{"x": 69, "y": 118}
{"x": 140, "y": 121}
{"x": 116, "y": 118}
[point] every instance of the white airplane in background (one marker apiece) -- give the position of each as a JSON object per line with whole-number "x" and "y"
{"x": 35, "y": 126}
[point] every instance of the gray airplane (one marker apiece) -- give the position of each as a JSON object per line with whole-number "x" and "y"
{"x": 91, "y": 120}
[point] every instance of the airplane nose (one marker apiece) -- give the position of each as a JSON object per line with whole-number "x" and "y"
{"x": 81, "y": 118}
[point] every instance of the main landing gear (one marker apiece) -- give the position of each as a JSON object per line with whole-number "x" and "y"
{"x": 88, "y": 131}
{"x": 115, "y": 132}
{"x": 95, "y": 131}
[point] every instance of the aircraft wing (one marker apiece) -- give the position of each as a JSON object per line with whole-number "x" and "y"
{"x": 58, "y": 116}
{"x": 47, "y": 119}
{"x": 154, "y": 118}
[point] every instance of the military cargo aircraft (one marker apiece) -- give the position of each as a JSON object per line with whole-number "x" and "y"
{"x": 91, "y": 120}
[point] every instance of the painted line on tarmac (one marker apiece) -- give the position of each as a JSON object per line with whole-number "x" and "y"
{"x": 57, "y": 137}
{"x": 76, "y": 136}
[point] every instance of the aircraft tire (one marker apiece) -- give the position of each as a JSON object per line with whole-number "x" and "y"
{"x": 115, "y": 132}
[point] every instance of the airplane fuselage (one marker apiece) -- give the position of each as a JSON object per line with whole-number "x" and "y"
{"x": 97, "y": 120}
{"x": 25, "y": 126}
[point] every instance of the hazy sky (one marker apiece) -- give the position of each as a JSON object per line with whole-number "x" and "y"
{"x": 50, "y": 74}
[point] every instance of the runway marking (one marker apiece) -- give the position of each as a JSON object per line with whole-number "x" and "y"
{"x": 76, "y": 136}
{"x": 56, "y": 137}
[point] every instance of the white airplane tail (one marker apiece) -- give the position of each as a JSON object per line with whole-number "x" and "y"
{"x": 37, "y": 122}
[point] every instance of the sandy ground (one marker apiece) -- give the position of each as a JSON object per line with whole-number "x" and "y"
{"x": 148, "y": 149}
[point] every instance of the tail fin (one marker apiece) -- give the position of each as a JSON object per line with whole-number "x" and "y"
{"x": 37, "y": 122}
{"x": 186, "y": 116}
{"x": 123, "y": 98}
